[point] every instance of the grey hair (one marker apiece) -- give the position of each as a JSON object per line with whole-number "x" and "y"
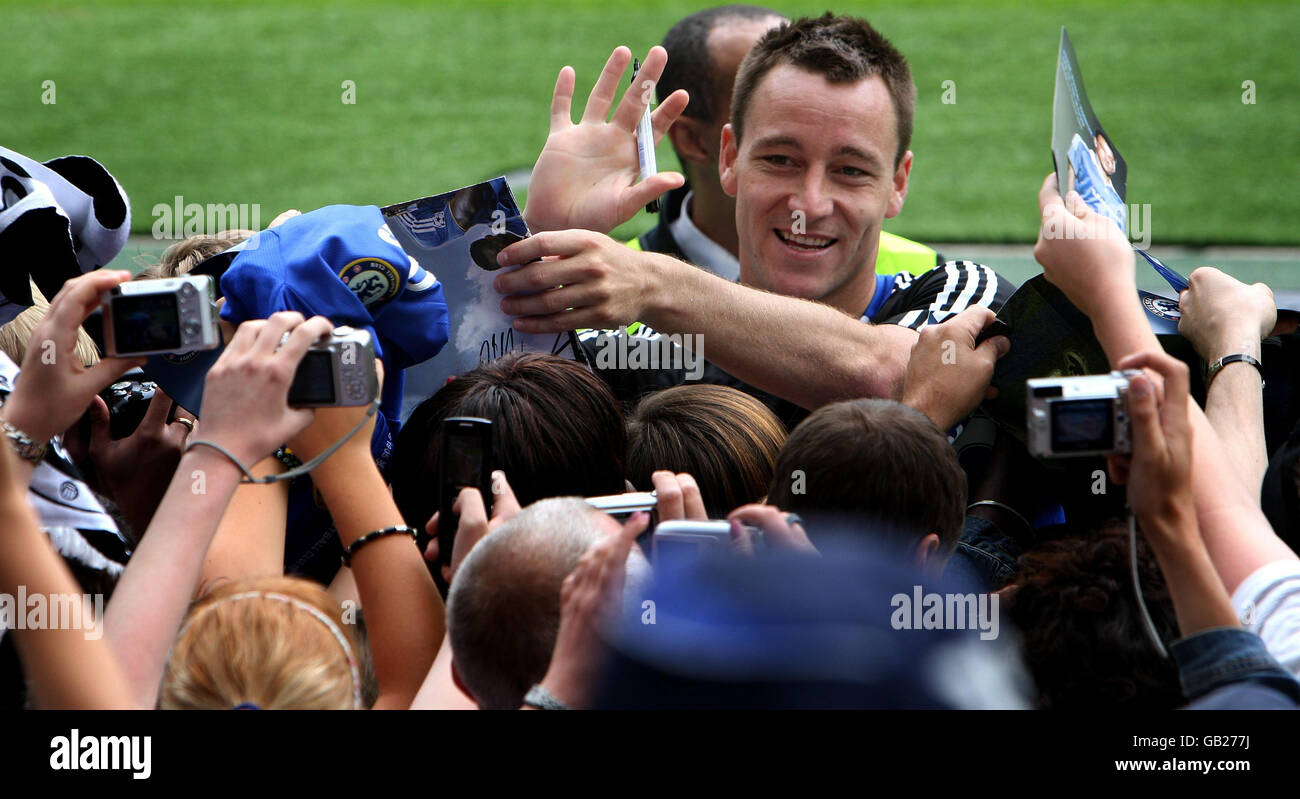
{"x": 503, "y": 610}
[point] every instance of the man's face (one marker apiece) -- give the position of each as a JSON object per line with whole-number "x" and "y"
{"x": 813, "y": 180}
{"x": 1104, "y": 155}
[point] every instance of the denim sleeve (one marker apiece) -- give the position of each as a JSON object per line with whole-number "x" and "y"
{"x": 984, "y": 555}
{"x": 1223, "y": 656}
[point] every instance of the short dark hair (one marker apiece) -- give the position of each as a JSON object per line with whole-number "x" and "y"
{"x": 841, "y": 49}
{"x": 876, "y": 460}
{"x": 724, "y": 438}
{"x": 690, "y": 64}
{"x": 557, "y": 430}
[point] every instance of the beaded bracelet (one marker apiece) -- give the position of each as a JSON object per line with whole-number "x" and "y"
{"x": 368, "y": 537}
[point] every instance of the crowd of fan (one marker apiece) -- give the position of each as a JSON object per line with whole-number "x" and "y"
{"x": 840, "y": 394}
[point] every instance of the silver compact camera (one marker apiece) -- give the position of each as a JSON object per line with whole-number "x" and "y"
{"x": 622, "y": 506}
{"x": 1088, "y": 415}
{"x": 337, "y": 371}
{"x": 685, "y": 538}
{"x": 161, "y": 316}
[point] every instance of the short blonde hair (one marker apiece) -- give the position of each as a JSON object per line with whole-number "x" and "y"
{"x": 274, "y": 643}
{"x": 184, "y": 255}
{"x": 17, "y": 332}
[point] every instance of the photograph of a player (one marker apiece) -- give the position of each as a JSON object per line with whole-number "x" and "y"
{"x": 1089, "y": 176}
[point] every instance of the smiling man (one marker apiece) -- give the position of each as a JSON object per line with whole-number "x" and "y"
{"x": 816, "y": 155}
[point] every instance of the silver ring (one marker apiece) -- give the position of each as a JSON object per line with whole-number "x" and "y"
{"x": 189, "y": 423}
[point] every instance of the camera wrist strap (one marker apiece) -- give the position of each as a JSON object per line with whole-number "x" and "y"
{"x": 292, "y": 473}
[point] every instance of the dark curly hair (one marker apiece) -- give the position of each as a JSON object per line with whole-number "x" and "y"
{"x": 1083, "y": 635}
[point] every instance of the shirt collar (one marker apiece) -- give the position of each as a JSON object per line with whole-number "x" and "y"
{"x": 698, "y": 248}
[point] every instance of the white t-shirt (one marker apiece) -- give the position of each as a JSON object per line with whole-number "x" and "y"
{"x": 1268, "y": 604}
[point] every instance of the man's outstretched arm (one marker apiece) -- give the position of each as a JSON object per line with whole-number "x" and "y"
{"x": 799, "y": 350}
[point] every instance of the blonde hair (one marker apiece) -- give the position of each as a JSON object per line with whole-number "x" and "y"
{"x": 184, "y": 255}
{"x": 274, "y": 643}
{"x": 17, "y": 332}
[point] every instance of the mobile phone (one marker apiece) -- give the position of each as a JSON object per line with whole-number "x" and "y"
{"x": 466, "y": 462}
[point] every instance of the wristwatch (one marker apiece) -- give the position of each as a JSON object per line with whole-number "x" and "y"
{"x": 28, "y": 448}
{"x": 1218, "y": 365}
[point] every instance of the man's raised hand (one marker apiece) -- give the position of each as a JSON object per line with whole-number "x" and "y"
{"x": 587, "y": 174}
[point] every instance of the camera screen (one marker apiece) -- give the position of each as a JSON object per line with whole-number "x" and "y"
{"x": 1083, "y": 425}
{"x": 677, "y": 553}
{"x": 313, "y": 383}
{"x": 145, "y": 322}
{"x": 464, "y": 461}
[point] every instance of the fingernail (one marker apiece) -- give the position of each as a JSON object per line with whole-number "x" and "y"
{"x": 1139, "y": 387}
{"x": 502, "y": 258}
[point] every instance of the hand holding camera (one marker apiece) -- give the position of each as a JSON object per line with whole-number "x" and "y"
{"x": 1159, "y": 471}
{"x": 55, "y": 386}
{"x": 780, "y": 531}
{"x": 136, "y": 467}
{"x": 1085, "y": 415}
{"x": 164, "y": 315}
{"x": 245, "y": 397}
{"x": 678, "y": 497}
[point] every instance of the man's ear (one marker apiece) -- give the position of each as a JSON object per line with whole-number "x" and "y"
{"x": 927, "y": 552}
{"x": 898, "y": 191}
{"x": 687, "y": 136}
{"x": 730, "y": 153}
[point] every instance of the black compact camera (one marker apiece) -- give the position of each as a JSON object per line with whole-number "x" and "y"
{"x": 128, "y": 400}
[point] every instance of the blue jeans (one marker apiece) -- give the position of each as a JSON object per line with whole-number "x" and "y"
{"x": 984, "y": 555}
